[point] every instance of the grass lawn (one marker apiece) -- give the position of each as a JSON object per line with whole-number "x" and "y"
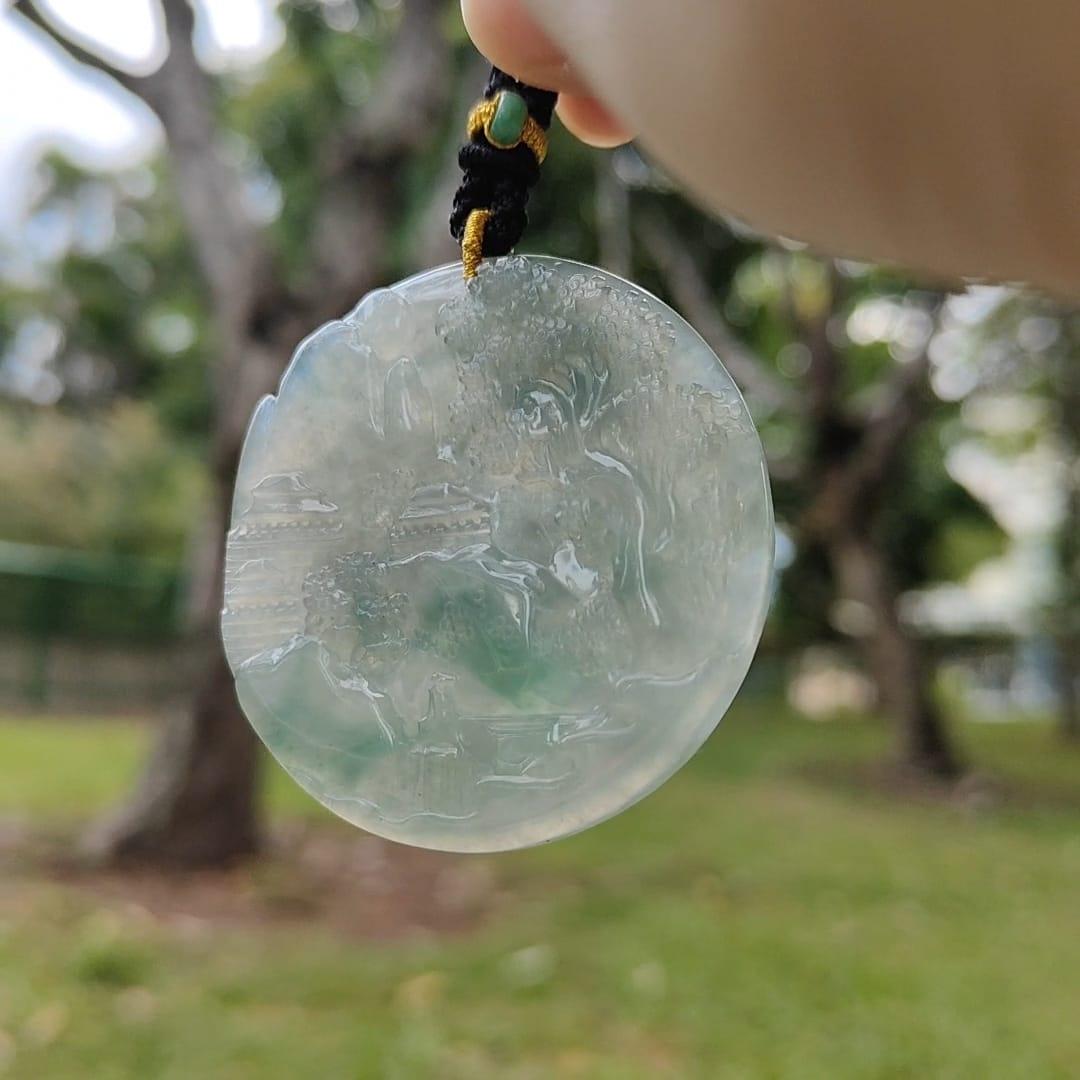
{"x": 760, "y": 916}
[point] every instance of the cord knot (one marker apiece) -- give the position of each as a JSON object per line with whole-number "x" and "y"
{"x": 507, "y": 132}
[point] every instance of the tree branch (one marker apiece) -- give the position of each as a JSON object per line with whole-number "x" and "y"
{"x": 690, "y": 291}
{"x": 362, "y": 171}
{"x": 432, "y": 243}
{"x": 849, "y": 485}
{"x": 227, "y": 244}
{"x": 905, "y": 406}
{"x": 824, "y": 376}
{"x": 75, "y": 51}
{"x": 409, "y": 96}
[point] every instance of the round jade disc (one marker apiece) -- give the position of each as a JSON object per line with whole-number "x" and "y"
{"x": 500, "y": 555}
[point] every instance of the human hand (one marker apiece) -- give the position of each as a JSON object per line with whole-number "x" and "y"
{"x": 936, "y": 134}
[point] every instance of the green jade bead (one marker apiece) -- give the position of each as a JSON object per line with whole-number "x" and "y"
{"x": 508, "y": 123}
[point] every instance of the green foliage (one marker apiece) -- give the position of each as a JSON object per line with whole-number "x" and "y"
{"x": 288, "y": 118}
{"x": 110, "y": 482}
{"x": 756, "y": 917}
{"x": 959, "y": 546}
{"x": 562, "y": 207}
{"x": 933, "y": 528}
{"x": 133, "y": 310}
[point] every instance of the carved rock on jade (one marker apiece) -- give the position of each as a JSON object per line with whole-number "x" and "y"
{"x": 500, "y": 555}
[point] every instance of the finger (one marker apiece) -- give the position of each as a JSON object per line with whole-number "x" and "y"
{"x": 513, "y": 40}
{"x": 510, "y": 38}
{"x": 910, "y": 133}
{"x": 592, "y": 122}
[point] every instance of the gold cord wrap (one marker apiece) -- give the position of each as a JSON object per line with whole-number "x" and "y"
{"x": 489, "y": 206}
{"x": 532, "y": 134}
{"x": 472, "y": 242}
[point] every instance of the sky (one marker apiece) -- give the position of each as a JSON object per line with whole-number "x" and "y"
{"x": 48, "y": 102}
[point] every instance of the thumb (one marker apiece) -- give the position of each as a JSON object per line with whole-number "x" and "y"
{"x": 933, "y": 133}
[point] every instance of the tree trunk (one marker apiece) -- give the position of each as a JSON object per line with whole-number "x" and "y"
{"x": 1067, "y": 614}
{"x": 195, "y": 803}
{"x": 1067, "y": 673}
{"x": 893, "y": 657}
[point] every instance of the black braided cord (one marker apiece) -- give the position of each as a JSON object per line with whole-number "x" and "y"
{"x": 499, "y": 180}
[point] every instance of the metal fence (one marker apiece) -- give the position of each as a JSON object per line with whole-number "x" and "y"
{"x": 85, "y": 632}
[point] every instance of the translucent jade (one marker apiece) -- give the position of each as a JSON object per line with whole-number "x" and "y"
{"x": 500, "y": 555}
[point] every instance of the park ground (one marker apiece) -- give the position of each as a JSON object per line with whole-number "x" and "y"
{"x": 783, "y": 908}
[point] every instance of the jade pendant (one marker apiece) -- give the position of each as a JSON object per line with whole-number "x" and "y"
{"x": 500, "y": 555}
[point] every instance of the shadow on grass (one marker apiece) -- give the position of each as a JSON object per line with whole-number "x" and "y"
{"x": 979, "y": 791}
{"x": 354, "y": 885}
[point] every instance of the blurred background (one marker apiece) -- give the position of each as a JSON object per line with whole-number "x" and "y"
{"x": 872, "y": 868}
